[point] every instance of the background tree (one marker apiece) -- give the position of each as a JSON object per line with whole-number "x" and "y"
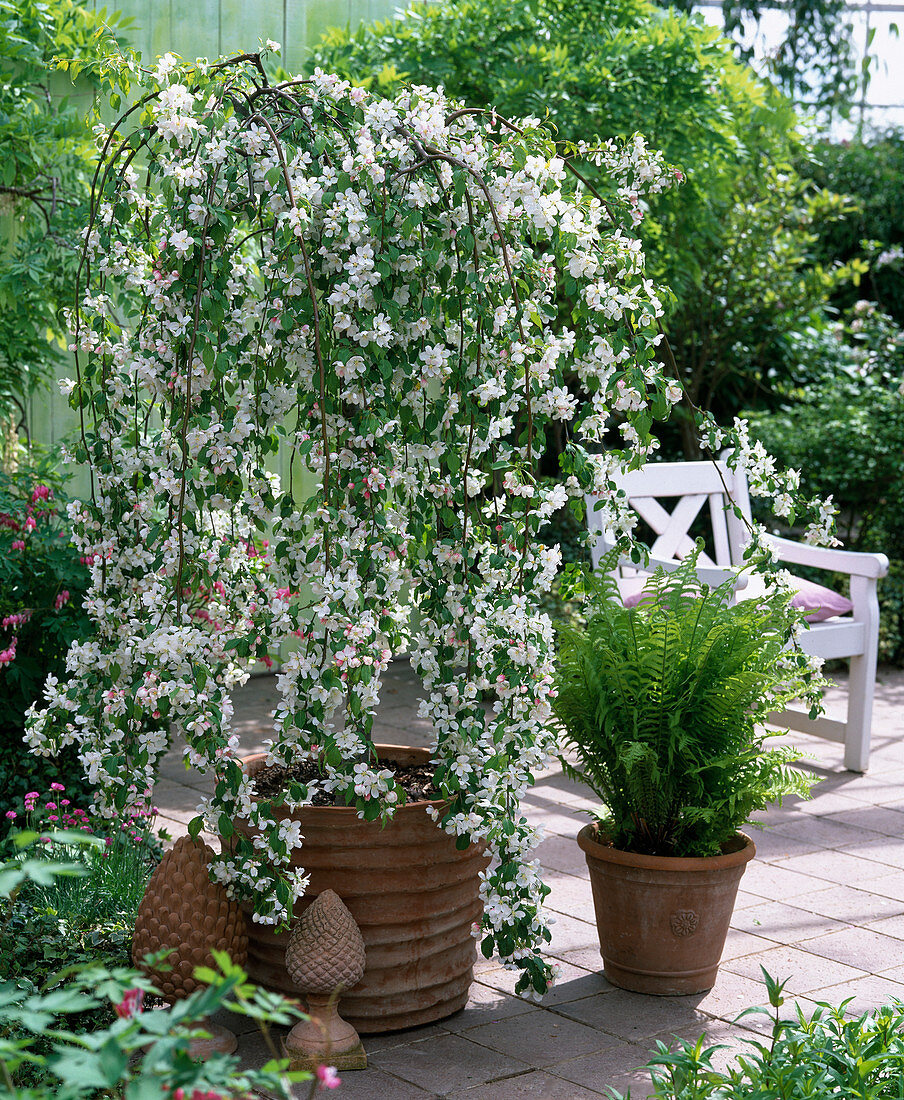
{"x": 814, "y": 62}
{"x": 871, "y": 228}
{"x": 44, "y": 179}
{"x": 735, "y": 243}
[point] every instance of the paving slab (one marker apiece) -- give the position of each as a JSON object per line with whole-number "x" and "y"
{"x": 780, "y": 923}
{"x": 634, "y": 1016}
{"x": 822, "y": 905}
{"x": 839, "y": 868}
{"x": 803, "y": 970}
{"x": 864, "y": 948}
{"x": 448, "y": 1062}
{"x": 537, "y": 1084}
{"x": 573, "y": 984}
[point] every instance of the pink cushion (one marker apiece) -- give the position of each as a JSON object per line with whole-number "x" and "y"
{"x": 821, "y": 603}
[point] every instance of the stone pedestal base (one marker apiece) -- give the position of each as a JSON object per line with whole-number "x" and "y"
{"x": 221, "y": 1041}
{"x": 325, "y": 1039}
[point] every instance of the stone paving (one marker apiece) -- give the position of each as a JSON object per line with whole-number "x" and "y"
{"x": 822, "y": 905}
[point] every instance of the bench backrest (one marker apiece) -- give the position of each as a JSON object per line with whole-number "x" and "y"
{"x": 694, "y": 484}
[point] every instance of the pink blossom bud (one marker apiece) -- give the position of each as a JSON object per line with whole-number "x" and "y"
{"x": 131, "y": 1004}
{"x": 327, "y": 1077}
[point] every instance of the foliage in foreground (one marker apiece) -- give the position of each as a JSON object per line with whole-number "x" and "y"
{"x": 827, "y": 1054}
{"x": 662, "y": 704}
{"x": 46, "y": 1051}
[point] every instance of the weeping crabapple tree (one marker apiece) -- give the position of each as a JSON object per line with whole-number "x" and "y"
{"x": 391, "y": 292}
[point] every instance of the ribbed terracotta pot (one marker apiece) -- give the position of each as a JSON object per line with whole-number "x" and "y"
{"x": 413, "y": 894}
{"x": 662, "y": 920}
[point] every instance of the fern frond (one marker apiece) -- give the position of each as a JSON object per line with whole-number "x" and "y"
{"x": 660, "y": 704}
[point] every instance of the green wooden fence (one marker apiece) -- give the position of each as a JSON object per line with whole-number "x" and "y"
{"x": 209, "y": 28}
{"x": 206, "y": 28}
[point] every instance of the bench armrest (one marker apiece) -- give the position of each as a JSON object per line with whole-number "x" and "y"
{"x": 853, "y": 562}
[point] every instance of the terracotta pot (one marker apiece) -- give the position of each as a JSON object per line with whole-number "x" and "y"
{"x": 662, "y": 920}
{"x": 413, "y": 894}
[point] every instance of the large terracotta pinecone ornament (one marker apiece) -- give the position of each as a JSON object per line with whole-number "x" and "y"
{"x": 326, "y": 951}
{"x": 186, "y": 912}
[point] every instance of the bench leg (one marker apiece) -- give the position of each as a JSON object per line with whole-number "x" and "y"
{"x": 860, "y": 713}
{"x": 862, "y": 681}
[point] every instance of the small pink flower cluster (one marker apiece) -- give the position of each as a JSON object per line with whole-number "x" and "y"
{"x": 19, "y": 619}
{"x": 50, "y": 811}
{"x": 8, "y": 655}
{"x": 61, "y": 813}
{"x": 327, "y": 1078}
{"x": 40, "y": 492}
{"x": 62, "y": 599}
{"x": 131, "y": 1004}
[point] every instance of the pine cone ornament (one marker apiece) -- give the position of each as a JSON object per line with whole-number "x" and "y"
{"x": 186, "y": 912}
{"x": 326, "y": 950}
{"x": 325, "y": 955}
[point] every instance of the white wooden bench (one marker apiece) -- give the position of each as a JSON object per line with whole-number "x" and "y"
{"x": 855, "y": 636}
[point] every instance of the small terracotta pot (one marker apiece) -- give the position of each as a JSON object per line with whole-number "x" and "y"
{"x": 412, "y": 893}
{"x": 662, "y": 920}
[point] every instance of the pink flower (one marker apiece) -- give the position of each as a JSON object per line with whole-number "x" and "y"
{"x": 7, "y": 656}
{"x": 11, "y": 814}
{"x": 57, "y": 787}
{"x": 19, "y": 619}
{"x": 328, "y": 1078}
{"x": 41, "y": 492}
{"x": 18, "y": 544}
{"x": 131, "y": 1003}
{"x": 62, "y": 599}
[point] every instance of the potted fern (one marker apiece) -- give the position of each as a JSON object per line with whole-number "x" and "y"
{"x": 662, "y": 706}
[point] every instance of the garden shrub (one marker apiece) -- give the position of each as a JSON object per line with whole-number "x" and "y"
{"x": 46, "y": 1049}
{"x": 844, "y": 431}
{"x": 734, "y": 243}
{"x": 53, "y": 924}
{"x": 42, "y": 585}
{"x": 828, "y": 1053}
{"x": 81, "y": 918}
{"x": 423, "y": 449}
{"x": 871, "y": 173}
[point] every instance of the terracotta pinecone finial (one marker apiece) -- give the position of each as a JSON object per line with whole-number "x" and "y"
{"x": 326, "y": 949}
{"x": 325, "y": 956}
{"x": 183, "y": 910}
